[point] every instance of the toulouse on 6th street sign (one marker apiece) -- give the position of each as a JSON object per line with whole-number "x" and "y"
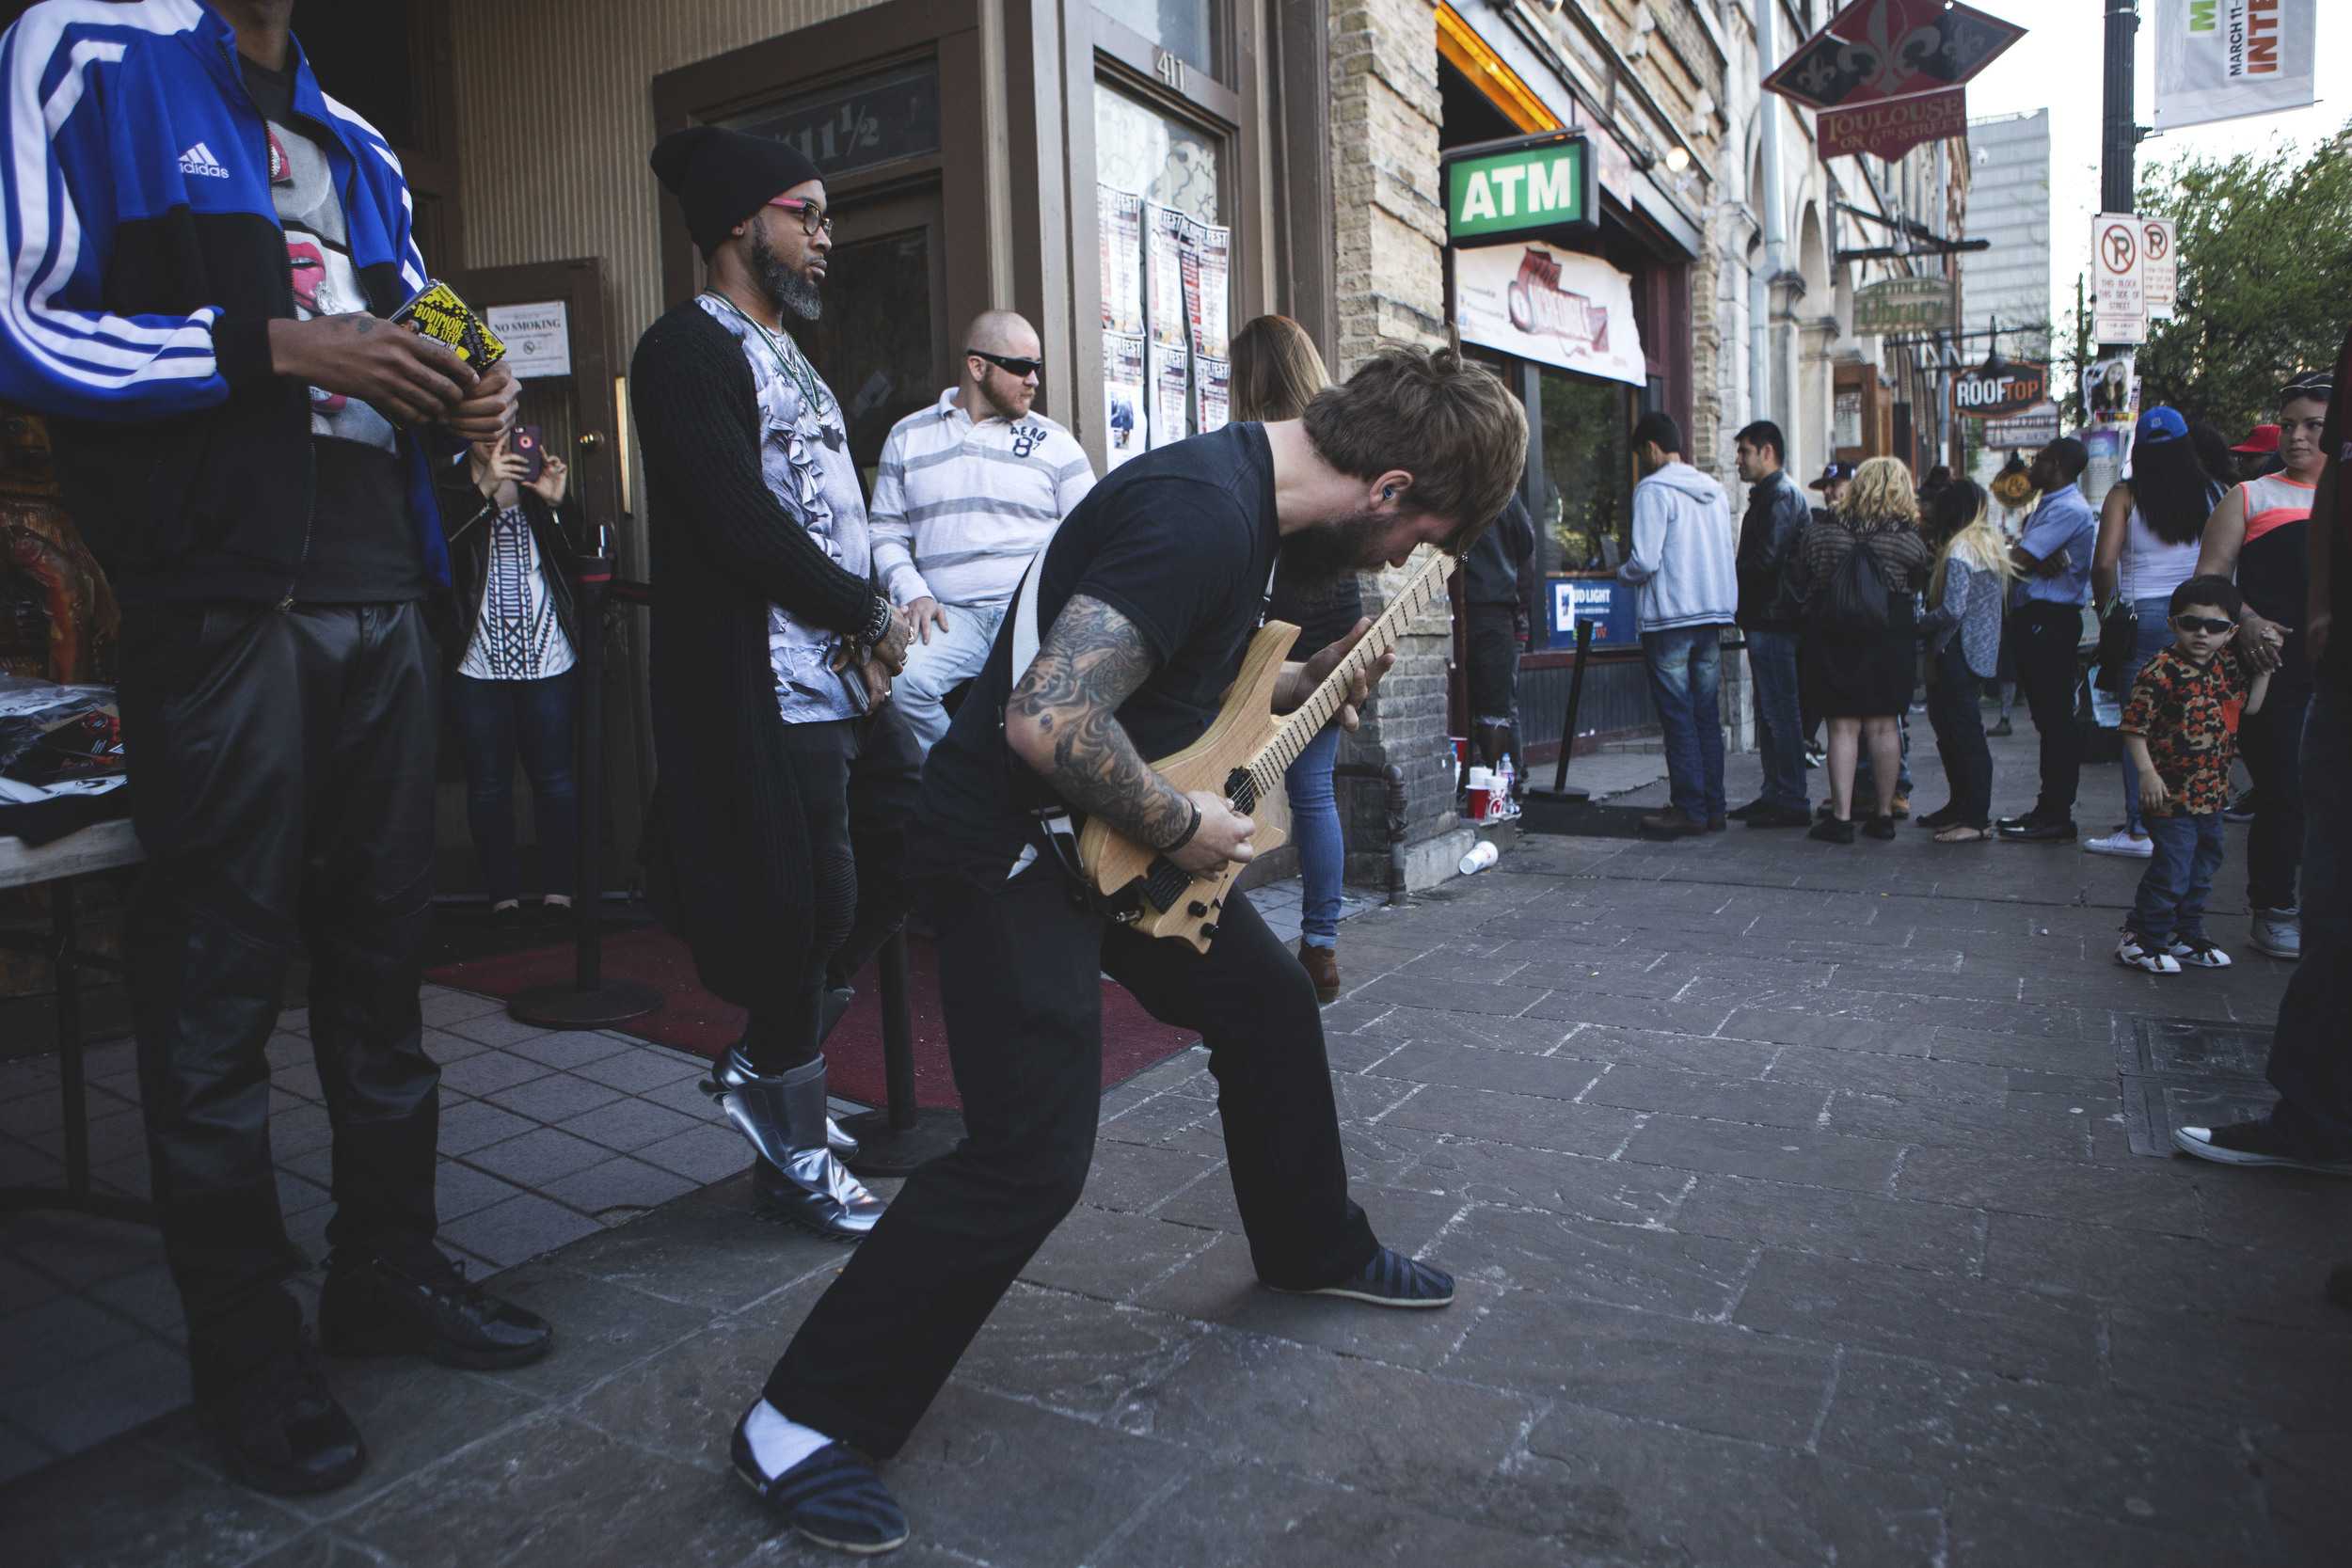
{"x": 2119, "y": 304}
{"x": 1875, "y": 49}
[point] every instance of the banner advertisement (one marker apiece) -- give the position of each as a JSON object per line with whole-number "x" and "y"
{"x": 1904, "y": 305}
{"x": 1559, "y": 306}
{"x": 2020, "y": 385}
{"x": 1123, "y": 407}
{"x": 2119, "y": 305}
{"x": 1213, "y": 391}
{"x": 1122, "y": 259}
{"x": 1891, "y": 129}
{"x": 2029, "y": 431}
{"x": 1170, "y": 392}
{"x": 2160, "y": 268}
{"x": 1208, "y": 265}
{"x": 1164, "y": 274}
{"x": 2218, "y": 59}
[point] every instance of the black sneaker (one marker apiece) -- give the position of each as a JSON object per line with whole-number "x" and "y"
{"x": 2240, "y": 809}
{"x": 1390, "y": 1279}
{"x": 2256, "y": 1143}
{"x": 1741, "y": 813}
{"x": 1829, "y": 830}
{"x": 371, "y": 1307}
{"x": 1878, "y": 826}
{"x": 833, "y": 1497}
{"x": 2040, "y": 831}
{"x": 281, "y": 1431}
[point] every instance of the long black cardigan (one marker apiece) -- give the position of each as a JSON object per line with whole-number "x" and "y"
{"x": 728, "y": 855}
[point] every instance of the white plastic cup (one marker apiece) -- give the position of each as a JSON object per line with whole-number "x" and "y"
{"x": 1481, "y": 856}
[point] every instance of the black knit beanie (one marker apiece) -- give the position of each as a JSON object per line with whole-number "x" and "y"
{"x": 722, "y": 177}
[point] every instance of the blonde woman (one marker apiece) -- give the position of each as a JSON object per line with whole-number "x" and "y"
{"x": 1860, "y": 645}
{"x": 1966, "y": 589}
{"x": 1276, "y": 369}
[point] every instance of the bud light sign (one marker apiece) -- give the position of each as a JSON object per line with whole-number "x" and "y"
{"x": 1604, "y": 601}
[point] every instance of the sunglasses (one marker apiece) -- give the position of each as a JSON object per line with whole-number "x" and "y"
{"x": 2199, "y": 623}
{"x": 1009, "y": 365}
{"x": 813, "y": 218}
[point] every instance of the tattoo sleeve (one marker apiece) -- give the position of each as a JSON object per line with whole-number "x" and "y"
{"x": 1092, "y": 660}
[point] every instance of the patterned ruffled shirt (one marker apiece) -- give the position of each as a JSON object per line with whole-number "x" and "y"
{"x": 804, "y": 456}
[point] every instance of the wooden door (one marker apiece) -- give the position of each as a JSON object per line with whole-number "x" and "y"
{"x": 882, "y": 341}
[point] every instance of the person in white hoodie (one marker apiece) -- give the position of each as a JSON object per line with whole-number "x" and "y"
{"x": 1684, "y": 566}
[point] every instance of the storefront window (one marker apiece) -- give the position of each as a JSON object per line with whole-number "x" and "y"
{"x": 1158, "y": 158}
{"x": 1182, "y": 27}
{"x": 1586, "y": 511}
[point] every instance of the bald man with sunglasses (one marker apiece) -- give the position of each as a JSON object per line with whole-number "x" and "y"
{"x": 967, "y": 491}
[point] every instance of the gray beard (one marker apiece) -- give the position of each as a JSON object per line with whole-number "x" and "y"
{"x": 784, "y": 288}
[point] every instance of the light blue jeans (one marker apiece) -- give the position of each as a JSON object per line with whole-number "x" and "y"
{"x": 1315, "y": 824}
{"x": 938, "y": 667}
{"x": 2155, "y": 634}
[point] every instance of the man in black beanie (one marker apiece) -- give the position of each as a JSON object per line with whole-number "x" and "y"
{"x": 785, "y": 771}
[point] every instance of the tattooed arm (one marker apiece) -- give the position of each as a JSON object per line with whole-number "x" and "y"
{"x": 1064, "y": 722}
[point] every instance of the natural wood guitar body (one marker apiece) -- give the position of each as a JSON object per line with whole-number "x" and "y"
{"x": 1242, "y": 756}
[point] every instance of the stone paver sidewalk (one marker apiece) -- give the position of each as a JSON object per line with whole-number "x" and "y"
{"x": 1796, "y": 1221}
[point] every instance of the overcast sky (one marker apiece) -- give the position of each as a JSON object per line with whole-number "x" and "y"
{"x": 2058, "y": 66}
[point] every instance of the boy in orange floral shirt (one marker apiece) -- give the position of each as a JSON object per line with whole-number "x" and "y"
{"x": 2180, "y": 729}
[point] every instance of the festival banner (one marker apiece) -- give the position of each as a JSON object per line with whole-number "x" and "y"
{"x": 2219, "y": 59}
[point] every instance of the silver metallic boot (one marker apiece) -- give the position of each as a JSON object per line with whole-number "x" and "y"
{"x": 796, "y": 1176}
{"x": 734, "y": 1070}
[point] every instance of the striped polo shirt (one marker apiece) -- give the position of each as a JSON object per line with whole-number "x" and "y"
{"x": 960, "y": 507}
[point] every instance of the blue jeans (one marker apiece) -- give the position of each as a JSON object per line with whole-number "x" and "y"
{"x": 939, "y": 665}
{"x": 1779, "y": 741}
{"x": 2311, "y": 1058}
{"x": 494, "y": 719}
{"x": 2187, "y": 853}
{"x": 2155, "y": 635}
{"x": 1686, "y": 672}
{"x": 1315, "y": 824}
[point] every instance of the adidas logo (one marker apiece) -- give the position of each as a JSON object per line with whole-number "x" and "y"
{"x": 199, "y": 160}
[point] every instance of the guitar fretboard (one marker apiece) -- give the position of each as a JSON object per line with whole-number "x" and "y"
{"x": 1425, "y": 587}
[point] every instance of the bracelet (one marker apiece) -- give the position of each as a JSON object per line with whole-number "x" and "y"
{"x": 878, "y": 624}
{"x": 1190, "y": 827}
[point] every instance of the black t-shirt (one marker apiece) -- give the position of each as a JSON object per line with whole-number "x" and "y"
{"x": 2337, "y": 443}
{"x": 363, "y": 546}
{"x": 1180, "y": 541}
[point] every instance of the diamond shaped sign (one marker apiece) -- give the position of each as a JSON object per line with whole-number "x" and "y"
{"x": 1875, "y": 49}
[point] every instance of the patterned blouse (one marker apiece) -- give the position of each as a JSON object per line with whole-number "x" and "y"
{"x": 2188, "y": 715}
{"x": 518, "y": 636}
{"x": 1971, "y": 605}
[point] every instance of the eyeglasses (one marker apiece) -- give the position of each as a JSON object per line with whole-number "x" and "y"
{"x": 813, "y": 218}
{"x": 2199, "y": 623}
{"x": 1008, "y": 364}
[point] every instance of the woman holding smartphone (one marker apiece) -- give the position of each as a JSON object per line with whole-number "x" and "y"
{"x": 510, "y": 660}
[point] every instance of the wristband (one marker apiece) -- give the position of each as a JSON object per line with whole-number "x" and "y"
{"x": 1190, "y": 827}
{"x": 878, "y": 624}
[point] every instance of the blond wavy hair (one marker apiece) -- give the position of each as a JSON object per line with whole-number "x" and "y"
{"x": 1880, "y": 496}
{"x": 1978, "y": 543}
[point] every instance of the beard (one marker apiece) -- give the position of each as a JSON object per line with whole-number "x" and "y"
{"x": 1320, "y": 556}
{"x": 785, "y": 288}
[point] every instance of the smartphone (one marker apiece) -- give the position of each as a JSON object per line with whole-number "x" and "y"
{"x": 524, "y": 442}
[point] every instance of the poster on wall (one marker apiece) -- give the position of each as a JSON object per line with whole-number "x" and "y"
{"x": 1560, "y": 307}
{"x": 1123, "y": 407}
{"x": 1213, "y": 391}
{"x": 1208, "y": 265}
{"x": 1122, "y": 261}
{"x": 1170, "y": 392}
{"x": 2111, "y": 391}
{"x": 1163, "y": 275}
{"x": 2217, "y": 61}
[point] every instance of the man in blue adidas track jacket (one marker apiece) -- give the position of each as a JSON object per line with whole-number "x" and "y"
{"x": 201, "y": 247}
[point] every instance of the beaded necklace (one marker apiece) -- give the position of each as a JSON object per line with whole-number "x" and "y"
{"x": 794, "y": 364}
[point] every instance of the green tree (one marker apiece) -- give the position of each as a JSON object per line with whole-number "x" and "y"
{"x": 2265, "y": 253}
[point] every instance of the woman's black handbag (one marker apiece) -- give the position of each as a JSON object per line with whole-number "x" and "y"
{"x": 2118, "y": 640}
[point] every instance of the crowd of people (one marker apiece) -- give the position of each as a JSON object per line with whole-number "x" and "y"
{"x": 862, "y": 709}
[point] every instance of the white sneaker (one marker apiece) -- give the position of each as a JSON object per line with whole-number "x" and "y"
{"x": 2196, "y": 952}
{"x": 2120, "y": 842}
{"x": 2279, "y": 933}
{"x": 2132, "y": 954}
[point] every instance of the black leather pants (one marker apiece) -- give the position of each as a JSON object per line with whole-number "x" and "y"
{"x": 282, "y": 770}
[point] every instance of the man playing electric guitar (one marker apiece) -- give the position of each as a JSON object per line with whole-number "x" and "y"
{"x": 1146, "y": 599}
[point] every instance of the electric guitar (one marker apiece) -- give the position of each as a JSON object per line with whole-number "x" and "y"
{"x": 1242, "y": 756}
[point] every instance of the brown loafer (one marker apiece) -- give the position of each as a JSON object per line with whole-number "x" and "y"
{"x": 1322, "y": 965}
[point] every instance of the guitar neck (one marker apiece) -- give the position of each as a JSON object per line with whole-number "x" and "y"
{"x": 1425, "y": 587}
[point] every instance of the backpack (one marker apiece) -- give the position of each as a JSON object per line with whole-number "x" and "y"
{"x": 1856, "y": 599}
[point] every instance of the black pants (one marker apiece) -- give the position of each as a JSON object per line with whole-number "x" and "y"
{"x": 2271, "y": 741}
{"x": 1020, "y": 971}
{"x": 2311, "y": 1054}
{"x": 860, "y": 781}
{"x": 1956, "y": 713}
{"x": 2047, "y": 637}
{"x": 282, "y": 763}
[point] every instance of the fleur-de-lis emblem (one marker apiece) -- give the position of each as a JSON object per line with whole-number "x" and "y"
{"x": 1884, "y": 61}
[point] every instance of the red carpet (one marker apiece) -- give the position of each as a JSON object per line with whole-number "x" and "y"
{"x": 691, "y": 1019}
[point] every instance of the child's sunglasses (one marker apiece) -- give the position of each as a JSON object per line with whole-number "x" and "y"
{"x": 2199, "y": 623}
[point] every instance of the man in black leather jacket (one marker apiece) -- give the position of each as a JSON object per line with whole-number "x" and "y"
{"x": 1777, "y": 516}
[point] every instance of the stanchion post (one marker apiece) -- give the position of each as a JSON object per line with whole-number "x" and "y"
{"x": 1560, "y": 793}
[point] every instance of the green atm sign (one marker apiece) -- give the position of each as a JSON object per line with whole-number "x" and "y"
{"x": 1499, "y": 189}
